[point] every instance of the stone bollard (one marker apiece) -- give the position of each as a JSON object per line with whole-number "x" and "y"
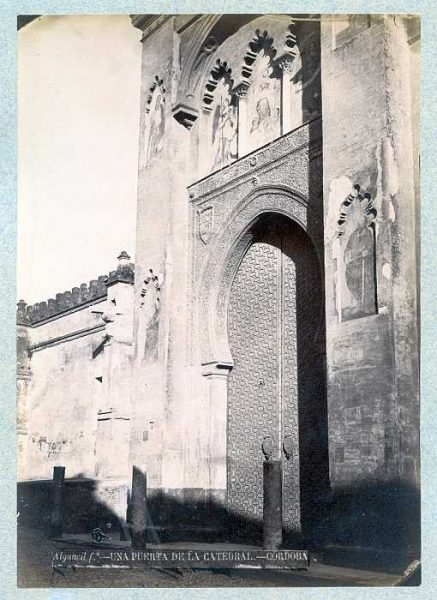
{"x": 56, "y": 516}
{"x": 272, "y": 510}
{"x": 138, "y": 509}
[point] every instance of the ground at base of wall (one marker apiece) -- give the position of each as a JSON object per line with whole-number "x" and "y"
{"x": 34, "y": 570}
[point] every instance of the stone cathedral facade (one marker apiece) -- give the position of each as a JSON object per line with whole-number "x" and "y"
{"x": 274, "y": 309}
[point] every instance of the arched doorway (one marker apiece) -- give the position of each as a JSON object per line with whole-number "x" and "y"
{"x": 276, "y": 389}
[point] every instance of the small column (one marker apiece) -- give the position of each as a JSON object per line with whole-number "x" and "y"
{"x": 57, "y": 502}
{"x": 138, "y": 509}
{"x": 291, "y": 99}
{"x": 272, "y": 510}
{"x": 243, "y": 134}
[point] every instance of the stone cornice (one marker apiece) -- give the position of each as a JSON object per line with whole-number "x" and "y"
{"x": 65, "y": 313}
{"x": 67, "y": 337}
{"x": 148, "y": 24}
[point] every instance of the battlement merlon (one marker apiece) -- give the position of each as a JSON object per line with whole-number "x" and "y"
{"x": 96, "y": 289}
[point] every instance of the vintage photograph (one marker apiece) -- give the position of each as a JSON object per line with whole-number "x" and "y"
{"x": 218, "y": 300}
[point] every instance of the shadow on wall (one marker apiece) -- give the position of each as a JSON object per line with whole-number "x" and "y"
{"x": 377, "y": 517}
{"x": 82, "y": 510}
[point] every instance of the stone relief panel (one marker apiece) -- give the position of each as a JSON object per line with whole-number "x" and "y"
{"x": 206, "y": 223}
{"x": 236, "y": 201}
{"x": 356, "y": 251}
{"x": 155, "y": 122}
{"x": 219, "y": 122}
{"x": 304, "y": 143}
{"x": 150, "y": 304}
{"x": 223, "y": 127}
{"x": 257, "y": 93}
{"x": 263, "y": 103}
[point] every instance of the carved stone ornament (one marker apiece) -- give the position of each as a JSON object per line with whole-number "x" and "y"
{"x": 357, "y": 278}
{"x": 155, "y": 110}
{"x": 221, "y": 71}
{"x": 152, "y": 280}
{"x": 366, "y": 201}
{"x": 267, "y": 447}
{"x": 206, "y": 221}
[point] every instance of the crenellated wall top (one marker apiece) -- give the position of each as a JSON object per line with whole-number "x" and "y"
{"x": 86, "y": 293}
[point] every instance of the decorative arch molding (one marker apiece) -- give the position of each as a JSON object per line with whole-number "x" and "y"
{"x": 366, "y": 202}
{"x": 199, "y": 47}
{"x": 261, "y": 41}
{"x": 355, "y": 250}
{"x": 198, "y": 55}
{"x": 206, "y": 36}
{"x": 225, "y": 255}
{"x": 158, "y": 84}
{"x": 220, "y": 71}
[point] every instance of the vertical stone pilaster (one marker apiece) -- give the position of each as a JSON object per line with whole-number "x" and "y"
{"x": 291, "y": 100}
{"x": 153, "y": 256}
{"x": 243, "y": 120}
{"x": 204, "y": 142}
{"x": 217, "y": 379}
{"x": 398, "y": 181}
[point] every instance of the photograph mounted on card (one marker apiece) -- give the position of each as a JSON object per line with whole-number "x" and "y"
{"x": 217, "y": 323}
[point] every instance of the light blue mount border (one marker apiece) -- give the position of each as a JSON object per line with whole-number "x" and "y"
{"x": 8, "y": 186}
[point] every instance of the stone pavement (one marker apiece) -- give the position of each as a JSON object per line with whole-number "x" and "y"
{"x": 34, "y": 570}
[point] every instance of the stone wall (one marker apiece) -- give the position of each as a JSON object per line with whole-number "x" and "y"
{"x": 86, "y": 504}
{"x": 371, "y": 279}
{"x": 200, "y": 76}
{"x": 196, "y": 70}
{"x": 368, "y": 409}
{"x": 74, "y": 376}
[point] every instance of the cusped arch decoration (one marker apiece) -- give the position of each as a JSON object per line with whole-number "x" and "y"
{"x": 207, "y": 35}
{"x": 200, "y": 53}
{"x": 158, "y": 83}
{"x": 261, "y": 41}
{"x": 226, "y": 253}
{"x": 368, "y": 208}
{"x": 220, "y": 71}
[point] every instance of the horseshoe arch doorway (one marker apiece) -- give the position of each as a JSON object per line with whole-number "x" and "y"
{"x": 277, "y": 389}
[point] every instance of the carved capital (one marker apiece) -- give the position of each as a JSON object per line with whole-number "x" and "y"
{"x": 241, "y": 92}
{"x": 286, "y": 65}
